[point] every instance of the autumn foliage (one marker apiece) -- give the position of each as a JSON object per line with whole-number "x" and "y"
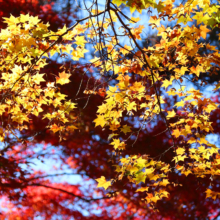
{"x": 134, "y": 122}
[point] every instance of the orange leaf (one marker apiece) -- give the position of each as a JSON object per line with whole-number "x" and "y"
{"x": 63, "y": 78}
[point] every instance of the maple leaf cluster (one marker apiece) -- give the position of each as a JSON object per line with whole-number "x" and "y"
{"x": 142, "y": 95}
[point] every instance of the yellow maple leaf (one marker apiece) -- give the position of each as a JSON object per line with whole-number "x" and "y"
{"x": 102, "y": 109}
{"x": 20, "y": 118}
{"x": 100, "y": 120}
{"x": 164, "y": 182}
{"x": 142, "y": 189}
{"x": 180, "y": 151}
{"x": 38, "y": 78}
{"x": 141, "y": 162}
{"x": 171, "y": 114}
{"x": 71, "y": 128}
{"x": 78, "y": 53}
{"x": 203, "y": 31}
{"x": 116, "y": 143}
{"x": 140, "y": 177}
{"x": 186, "y": 173}
{"x": 55, "y": 128}
{"x": 197, "y": 70}
{"x": 131, "y": 106}
{"x": 163, "y": 193}
{"x": 179, "y": 158}
{"x": 184, "y": 19}
{"x": 134, "y": 20}
{"x": 103, "y": 183}
{"x": 34, "y": 20}
{"x": 151, "y": 198}
{"x": 80, "y": 40}
{"x": 11, "y": 20}
{"x": 167, "y": 83}
{"x": 149, "y": 171}
{"x": 176, "y": 133}
{"x": 126, "y": 129}
{"x": 63, "y": 78}
{"x": 24, "y": 18}
{"x": 212, "y": 194}
{"x": 180, "y": 104}
{"x": 154, "y": 20}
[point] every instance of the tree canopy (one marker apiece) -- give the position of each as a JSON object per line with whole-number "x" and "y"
{"x": 135, "y": 120}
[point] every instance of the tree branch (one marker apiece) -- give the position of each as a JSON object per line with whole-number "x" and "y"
{"x": 67, "y": 192}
